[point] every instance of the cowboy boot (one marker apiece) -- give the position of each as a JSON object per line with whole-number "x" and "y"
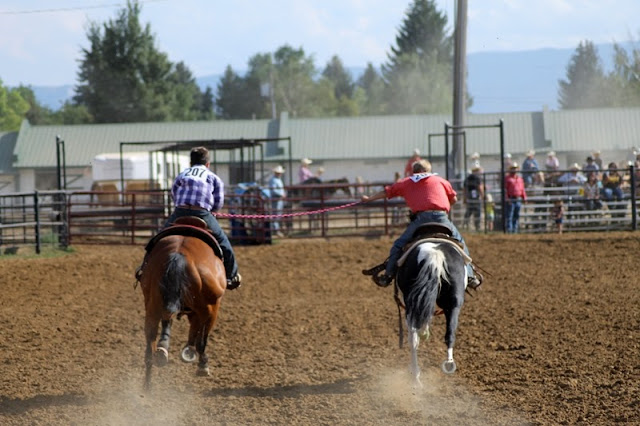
{"x": 376, "y": 269}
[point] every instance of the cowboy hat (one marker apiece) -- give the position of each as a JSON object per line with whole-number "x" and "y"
{"x": 278, "y": 169}
{"x": 306, "y": 161}
{"x": 514, "y": 165}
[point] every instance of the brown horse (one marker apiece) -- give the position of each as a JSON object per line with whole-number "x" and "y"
{"x": 184, "y": 275}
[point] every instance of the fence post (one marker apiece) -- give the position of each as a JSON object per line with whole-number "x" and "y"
{"x": 634, "y": 208}
{"x": 36, "y": 211}
{"x": 133, "y": 217}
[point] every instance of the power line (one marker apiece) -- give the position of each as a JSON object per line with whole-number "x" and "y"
{"x": 70, "y": 9}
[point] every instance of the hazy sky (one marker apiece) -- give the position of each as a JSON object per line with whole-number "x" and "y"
{"x": 41, "y": 40}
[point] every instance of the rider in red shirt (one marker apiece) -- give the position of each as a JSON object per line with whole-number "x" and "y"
{"x": 430, "y": 198}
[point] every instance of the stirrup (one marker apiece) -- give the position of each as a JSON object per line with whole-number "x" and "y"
{"x": 382, "y": 280}
{"x": 235, "y": 282}
{"x": 475, "y": 282}
{"x": 375, "y": 270}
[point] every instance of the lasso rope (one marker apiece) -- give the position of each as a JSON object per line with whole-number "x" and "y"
{"x": 272, "y": 216}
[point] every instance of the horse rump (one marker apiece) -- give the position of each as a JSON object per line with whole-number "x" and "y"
{"x": 420, "y": 279}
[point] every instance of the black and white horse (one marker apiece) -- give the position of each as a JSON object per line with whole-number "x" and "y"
{"x": 432, "y": 273}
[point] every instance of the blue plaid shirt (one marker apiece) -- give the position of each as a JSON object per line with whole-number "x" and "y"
{"x": 198, "y": 186}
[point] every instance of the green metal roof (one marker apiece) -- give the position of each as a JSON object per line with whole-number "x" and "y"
{"x": 36, "y": 146}
{"x": 362, "y": 138}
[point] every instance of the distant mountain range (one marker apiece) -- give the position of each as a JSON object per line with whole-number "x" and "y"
{"x": 516, "y": 81}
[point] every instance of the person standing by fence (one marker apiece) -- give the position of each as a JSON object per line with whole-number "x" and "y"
{"x": 516, "y": 195}
{"x": 473, "y": 195}
{"x": 277, "y": 194}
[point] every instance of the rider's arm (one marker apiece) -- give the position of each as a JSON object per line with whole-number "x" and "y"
{"x": 377, "y": 196}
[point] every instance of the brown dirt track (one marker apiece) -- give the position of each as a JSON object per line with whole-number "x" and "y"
{"x": 552, "y": 338}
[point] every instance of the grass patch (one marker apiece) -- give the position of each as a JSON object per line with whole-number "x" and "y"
{"x": 29, "y": 252}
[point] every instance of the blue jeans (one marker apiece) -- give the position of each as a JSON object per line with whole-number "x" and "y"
{"x": 229, "y": 259}
{"x": 612, "y": 193}
{"x": 422, "y": 218}
{"x": 277, "y": 207}
{"x": 512, "y": 213}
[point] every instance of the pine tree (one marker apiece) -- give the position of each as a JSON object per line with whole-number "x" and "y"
{"x": 123, "y": 77}
{"x": 419, "y": 73}
{"x": 585, "y": 85}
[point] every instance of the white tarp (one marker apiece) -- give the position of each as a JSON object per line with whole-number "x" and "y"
{"x": 135, "y": 166}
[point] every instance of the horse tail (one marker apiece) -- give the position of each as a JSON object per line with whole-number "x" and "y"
{"x": 421, "y": 299}
{"x": 174, "y": 282}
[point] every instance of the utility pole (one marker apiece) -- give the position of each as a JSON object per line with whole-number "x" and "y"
{"x": 459, "y": 88}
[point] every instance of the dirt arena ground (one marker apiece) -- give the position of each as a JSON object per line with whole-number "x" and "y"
{"x": 553, "y": 338}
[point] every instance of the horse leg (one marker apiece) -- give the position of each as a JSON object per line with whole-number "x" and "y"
{"x": 414, "y": 369}
{"x": 188, "y": 353}
{"x": 151, "y": 333}
{"x": 203, "y": 337}
{"x": 449, "y": 365}
{"x": 161, "y": 355}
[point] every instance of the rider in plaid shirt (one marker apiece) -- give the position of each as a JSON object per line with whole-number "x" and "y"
{"x": 197, "y": 191}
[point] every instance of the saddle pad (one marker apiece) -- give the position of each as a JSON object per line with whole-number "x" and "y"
{"x": 454, "y": 244}
{"x": 187, "y": 231}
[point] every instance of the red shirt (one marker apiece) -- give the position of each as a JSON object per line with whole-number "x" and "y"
{"x": 514, "y": 186}
{"x": 423, "y": 191}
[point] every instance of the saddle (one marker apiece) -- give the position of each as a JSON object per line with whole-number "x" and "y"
{"x": 426, "y": 230}
{"x": 188, "y": 226}
{"x": 433, "y": 230}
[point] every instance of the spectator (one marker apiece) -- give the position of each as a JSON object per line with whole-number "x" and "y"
{"x": 557, "y": 213}
{"x": 489, "y": 211}
{"x": 573, "y": 177}
{"x": 591, "y": 192}
{"x": 319, "y": 173}
{"x": 636, "y": 172}
{"x": 590, "y": 166}
{"x": 304, "y": 173}
{"x": 507, "y": 160}
{"x": 516, "y": 195}
{"x": 552, "y": 164}
{"x": 529, "y": 168}
{"x": 408, "y": 168}
{"x": 277, "y": 195}
{"x": 552, "y": 168}
{"x": 473, "y": 195}
{"x": 612, "y": 183}
{"x": 475, "y": 160}
{"x": 597, "y": 159}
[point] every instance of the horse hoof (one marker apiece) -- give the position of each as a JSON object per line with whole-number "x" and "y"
{"x": 203, "y": 371}
{"x": 188, "y": 354}
{"x": 161, "y": 357}
{"x": 449, "y": 366}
